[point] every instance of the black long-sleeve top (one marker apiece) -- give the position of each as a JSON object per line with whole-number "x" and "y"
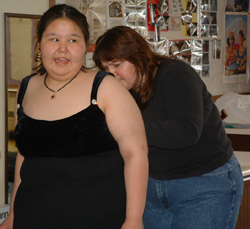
{"x": 184, "y": 129}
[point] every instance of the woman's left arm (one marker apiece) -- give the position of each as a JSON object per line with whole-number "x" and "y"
{"x": 126, "y": 125}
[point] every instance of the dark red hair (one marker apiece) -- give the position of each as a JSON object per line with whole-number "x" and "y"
{"x": 124, "y": 43}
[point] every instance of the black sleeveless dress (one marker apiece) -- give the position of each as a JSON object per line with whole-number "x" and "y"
{"x": 72, "y": 174}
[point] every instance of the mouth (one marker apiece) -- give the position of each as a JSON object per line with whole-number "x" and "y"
{"x": 61, "y": 61}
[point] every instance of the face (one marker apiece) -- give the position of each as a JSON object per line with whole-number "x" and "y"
{"x": 240, "y": 38}
{"x": 62, "y": 47}
{"x": 231, "y": 40}
{"x": 123, "y": 70}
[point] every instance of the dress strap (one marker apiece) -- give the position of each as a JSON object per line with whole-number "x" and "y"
{"x": 23, "y": 87}
{"x": 97, "y": 81}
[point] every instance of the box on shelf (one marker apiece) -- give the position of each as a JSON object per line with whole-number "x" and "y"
{"x": 4, "y": 212}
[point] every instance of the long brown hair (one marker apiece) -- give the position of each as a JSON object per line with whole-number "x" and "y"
{"x": 124, "y": 43}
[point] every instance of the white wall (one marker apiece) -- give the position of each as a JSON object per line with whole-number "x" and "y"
{"x": 11, "y": 6}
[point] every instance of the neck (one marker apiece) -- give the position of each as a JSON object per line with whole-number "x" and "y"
{"x": 55, "y": 91}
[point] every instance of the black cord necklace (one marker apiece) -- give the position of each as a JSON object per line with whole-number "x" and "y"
{"x": 54, "y": 95}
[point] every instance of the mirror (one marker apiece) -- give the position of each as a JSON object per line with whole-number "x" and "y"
{"x": 20, "y": 52}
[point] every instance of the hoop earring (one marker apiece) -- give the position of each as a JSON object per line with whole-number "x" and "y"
{"x": 143, "y": 81}
{"x": 38, "y": 57}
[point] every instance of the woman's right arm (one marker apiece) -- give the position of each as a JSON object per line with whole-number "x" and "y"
{"x": 8, "y": 223}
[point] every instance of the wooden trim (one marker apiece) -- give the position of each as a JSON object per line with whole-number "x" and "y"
{"x": 240, "y": 142}
{"x": 32, "y": 16}
{"x": 243, "y": 217}
{"x": 6, "y": 16}
{"x": 52, "y": 3}
{"x": 215, "y": 97}
{"x": 6, "y": 123}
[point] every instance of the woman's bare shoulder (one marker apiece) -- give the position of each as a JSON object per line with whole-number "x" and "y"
{"x": 36, "y": 79}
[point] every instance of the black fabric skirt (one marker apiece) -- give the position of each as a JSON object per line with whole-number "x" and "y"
{"x": 64, "y": 193}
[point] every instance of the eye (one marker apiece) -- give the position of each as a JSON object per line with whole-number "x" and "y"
{"x": 118, "y": 63}
{"x": 72, "y": 40}
{"x": 54, "y": 39}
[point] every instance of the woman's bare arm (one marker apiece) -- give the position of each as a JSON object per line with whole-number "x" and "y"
{"x": 126, "y": 125}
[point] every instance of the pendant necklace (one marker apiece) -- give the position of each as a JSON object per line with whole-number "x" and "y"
{"x": 54, "y": 95}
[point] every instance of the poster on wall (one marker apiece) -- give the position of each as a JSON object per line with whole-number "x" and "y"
{"x": 189, "y": 18}
{"x": 200, "y": 59}
{"x": 136, "y": 17}
{"x": 21, "y": 47}
{"x": 236, "y": 49}
{"x": 96, "y": 16}
{"x": 175, "y": 23}
{"x": 158, "y": 13}
{"x": 237, "y": 6}
{"x": 209, "y": 26}
{"x": 216, "y": 48}
{"x": 181, "y": 49}
{"x": 114, "y": 13}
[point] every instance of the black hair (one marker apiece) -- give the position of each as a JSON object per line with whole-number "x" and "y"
{"x": 242, "y": 34}
{"x": 57, "y": 12}
{"x": 228, "y": 43}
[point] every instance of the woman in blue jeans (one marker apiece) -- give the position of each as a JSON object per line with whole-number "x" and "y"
{"x": 195, "y": 180}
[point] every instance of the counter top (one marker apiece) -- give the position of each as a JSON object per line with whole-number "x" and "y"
{"x": 244, "y": 160}
{"x": 237, "y": 131}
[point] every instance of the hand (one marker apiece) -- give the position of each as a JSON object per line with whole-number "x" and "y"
{"x": 8, "y": 222}
{"x": 234, "y": 70}
{"x": 132, "y": 224}
{"x": 223, "y": 114}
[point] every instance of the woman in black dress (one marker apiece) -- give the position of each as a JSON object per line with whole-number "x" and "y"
{"x": 82, "y": 160}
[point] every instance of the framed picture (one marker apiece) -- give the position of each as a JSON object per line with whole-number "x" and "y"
{"x": 20, "y": 46}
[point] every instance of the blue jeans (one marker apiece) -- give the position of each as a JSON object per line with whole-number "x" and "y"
{"x": 210, "y": 201}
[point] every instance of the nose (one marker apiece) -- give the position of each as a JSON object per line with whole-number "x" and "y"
{"x": 62, "y": 47}
{"x": 111, "y": 69}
